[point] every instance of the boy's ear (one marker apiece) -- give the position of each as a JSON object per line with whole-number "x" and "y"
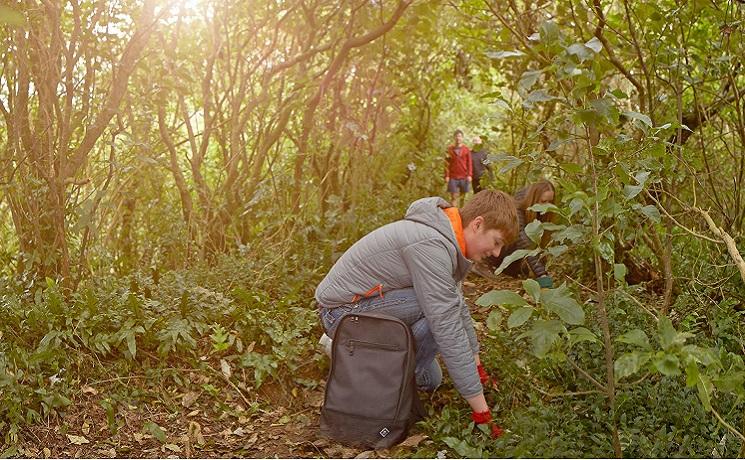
{"x": 477, "y": 222}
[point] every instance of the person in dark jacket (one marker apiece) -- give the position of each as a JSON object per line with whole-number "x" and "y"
{"x": 480, "y": 165}
{"x": 540, "y": 192}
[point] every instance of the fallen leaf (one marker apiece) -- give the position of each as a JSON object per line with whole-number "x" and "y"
{"x": 89, "y": 390}
{"x": 139, "y": 438}
{"x": 366, "y": 454}
{"x": 193, "y": 413}
{"x": 47, "y": 452}
{"x": 189, "y": 398}
{"x": 195, "y": 433}
{"x": 86, "y": 428}
{"x": 252, "y": 440}
{"x": 225, "y": 367}
{"x": 239, "y": 431}
{"x": 413, "y": 441}
{"x": 171, "y": 447}
{"x": 77, "y": 440}
{"x": 156, "y": 431}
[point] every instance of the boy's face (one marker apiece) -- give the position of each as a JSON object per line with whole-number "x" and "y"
{"x": 458, "y": 138}
{"x": 480, "y": 242}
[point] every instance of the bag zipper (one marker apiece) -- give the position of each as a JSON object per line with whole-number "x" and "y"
{"x": 361, "y": 343}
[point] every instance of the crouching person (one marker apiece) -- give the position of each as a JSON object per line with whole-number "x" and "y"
{"x": 412, "y": 270}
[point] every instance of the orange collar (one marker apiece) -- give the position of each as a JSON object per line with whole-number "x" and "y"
{"x": 457, "y": 225}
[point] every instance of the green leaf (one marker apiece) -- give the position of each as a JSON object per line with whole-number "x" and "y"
{"x": 519, "y": 317}
{"x": 549, "y": 31}
{"x": 556, "y": 251}
{"x": 629, "y": 364}
{"x": 668, "y": 365}
{"x": 605, "y": 250}
{"x": 639, "y": 116}
{"x": 517, "y": 255}
{"x": 630, "y": 191}
{"x": 692, "y": 374}
{"x": 581, "y": 334}
{"x": 594, "y": 44}
{"x": 543, "y": 335}
{"x": 156, "y": 431}
{"x": 705, "y": 356}
{"x": 532, "y": 287}
{"x": 651, "y": 212}
{"x": 582, "y": 52}
{"x": 545, "y": 207}
{"x": 534, "y": 231}
{"x": 500, "y": 298}
{"x": 573, "y": 233}
{"x": 619, "y": 272}
{"x": 528, "y": 79}
{"x": 635, "y": 337}
{"x": 504, "y": 54}
{"x": 561, "y": 302}
{"x": 494, "y": 320}
{"x": 131, "y": 344}
{"x": 539, "y": 95}
{"x": 666, "y": 331}
{"x": 733, "y": 381}
{"x": 705, "y": 388}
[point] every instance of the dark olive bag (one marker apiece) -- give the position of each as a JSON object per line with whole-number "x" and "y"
{"x": 371, "y": 399}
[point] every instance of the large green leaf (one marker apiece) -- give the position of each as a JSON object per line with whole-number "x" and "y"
{"x": 532, "y": 287}
{"x": 667, "y": 364}
{"x": 543, "y": 334}
{"x": 619, "y": 272}
{"x": 539, "y": 95}
{"x": 705, "y": 388}
{"x": 504, "y": 54}
{"x": 519, "y": 317}
{"x": 639, "y": 116}
{"x": 651, "y": 212}
{"x": 494, "y": 320}
{"x": 629, "y": 364}
{"x": 705, "y": 356}
{"x": 500, "y": 298}
{"x": 534, "y": 231}
{"x": 581, "y": 334}
{"x": 561, "y": 302}
{"x": 668, "y": 336}
{"x": 517, "y": 255}
{"x": 666, "y": 332}
{"x": 635, "y": 337}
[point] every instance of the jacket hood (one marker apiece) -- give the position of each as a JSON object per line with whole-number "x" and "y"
{"x": 429, "y": 211}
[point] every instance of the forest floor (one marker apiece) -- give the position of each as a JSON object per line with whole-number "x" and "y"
{"x": 177, "y": 418}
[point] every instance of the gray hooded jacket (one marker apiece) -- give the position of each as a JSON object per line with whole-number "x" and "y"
{"x": 420, "y": 251}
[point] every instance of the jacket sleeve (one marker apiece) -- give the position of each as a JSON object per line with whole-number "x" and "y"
{"x": 523, "y": 242}
{"x": 430, "y": 264}
{"x": 468, "y": 325}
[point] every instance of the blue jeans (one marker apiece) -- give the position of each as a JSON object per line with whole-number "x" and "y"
{"x": 459, "y": 185}
{"x": 401, "y": 304}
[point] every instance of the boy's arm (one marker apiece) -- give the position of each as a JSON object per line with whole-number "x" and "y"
{"x": 430, "y": 264}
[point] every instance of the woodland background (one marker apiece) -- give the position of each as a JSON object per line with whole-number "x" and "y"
{"x": 176, "y": 177}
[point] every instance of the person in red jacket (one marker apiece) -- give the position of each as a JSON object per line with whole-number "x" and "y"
{"x": 459, "y": 169}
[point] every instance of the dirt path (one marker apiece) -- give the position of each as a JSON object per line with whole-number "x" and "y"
{"x": 178, "y": 418}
